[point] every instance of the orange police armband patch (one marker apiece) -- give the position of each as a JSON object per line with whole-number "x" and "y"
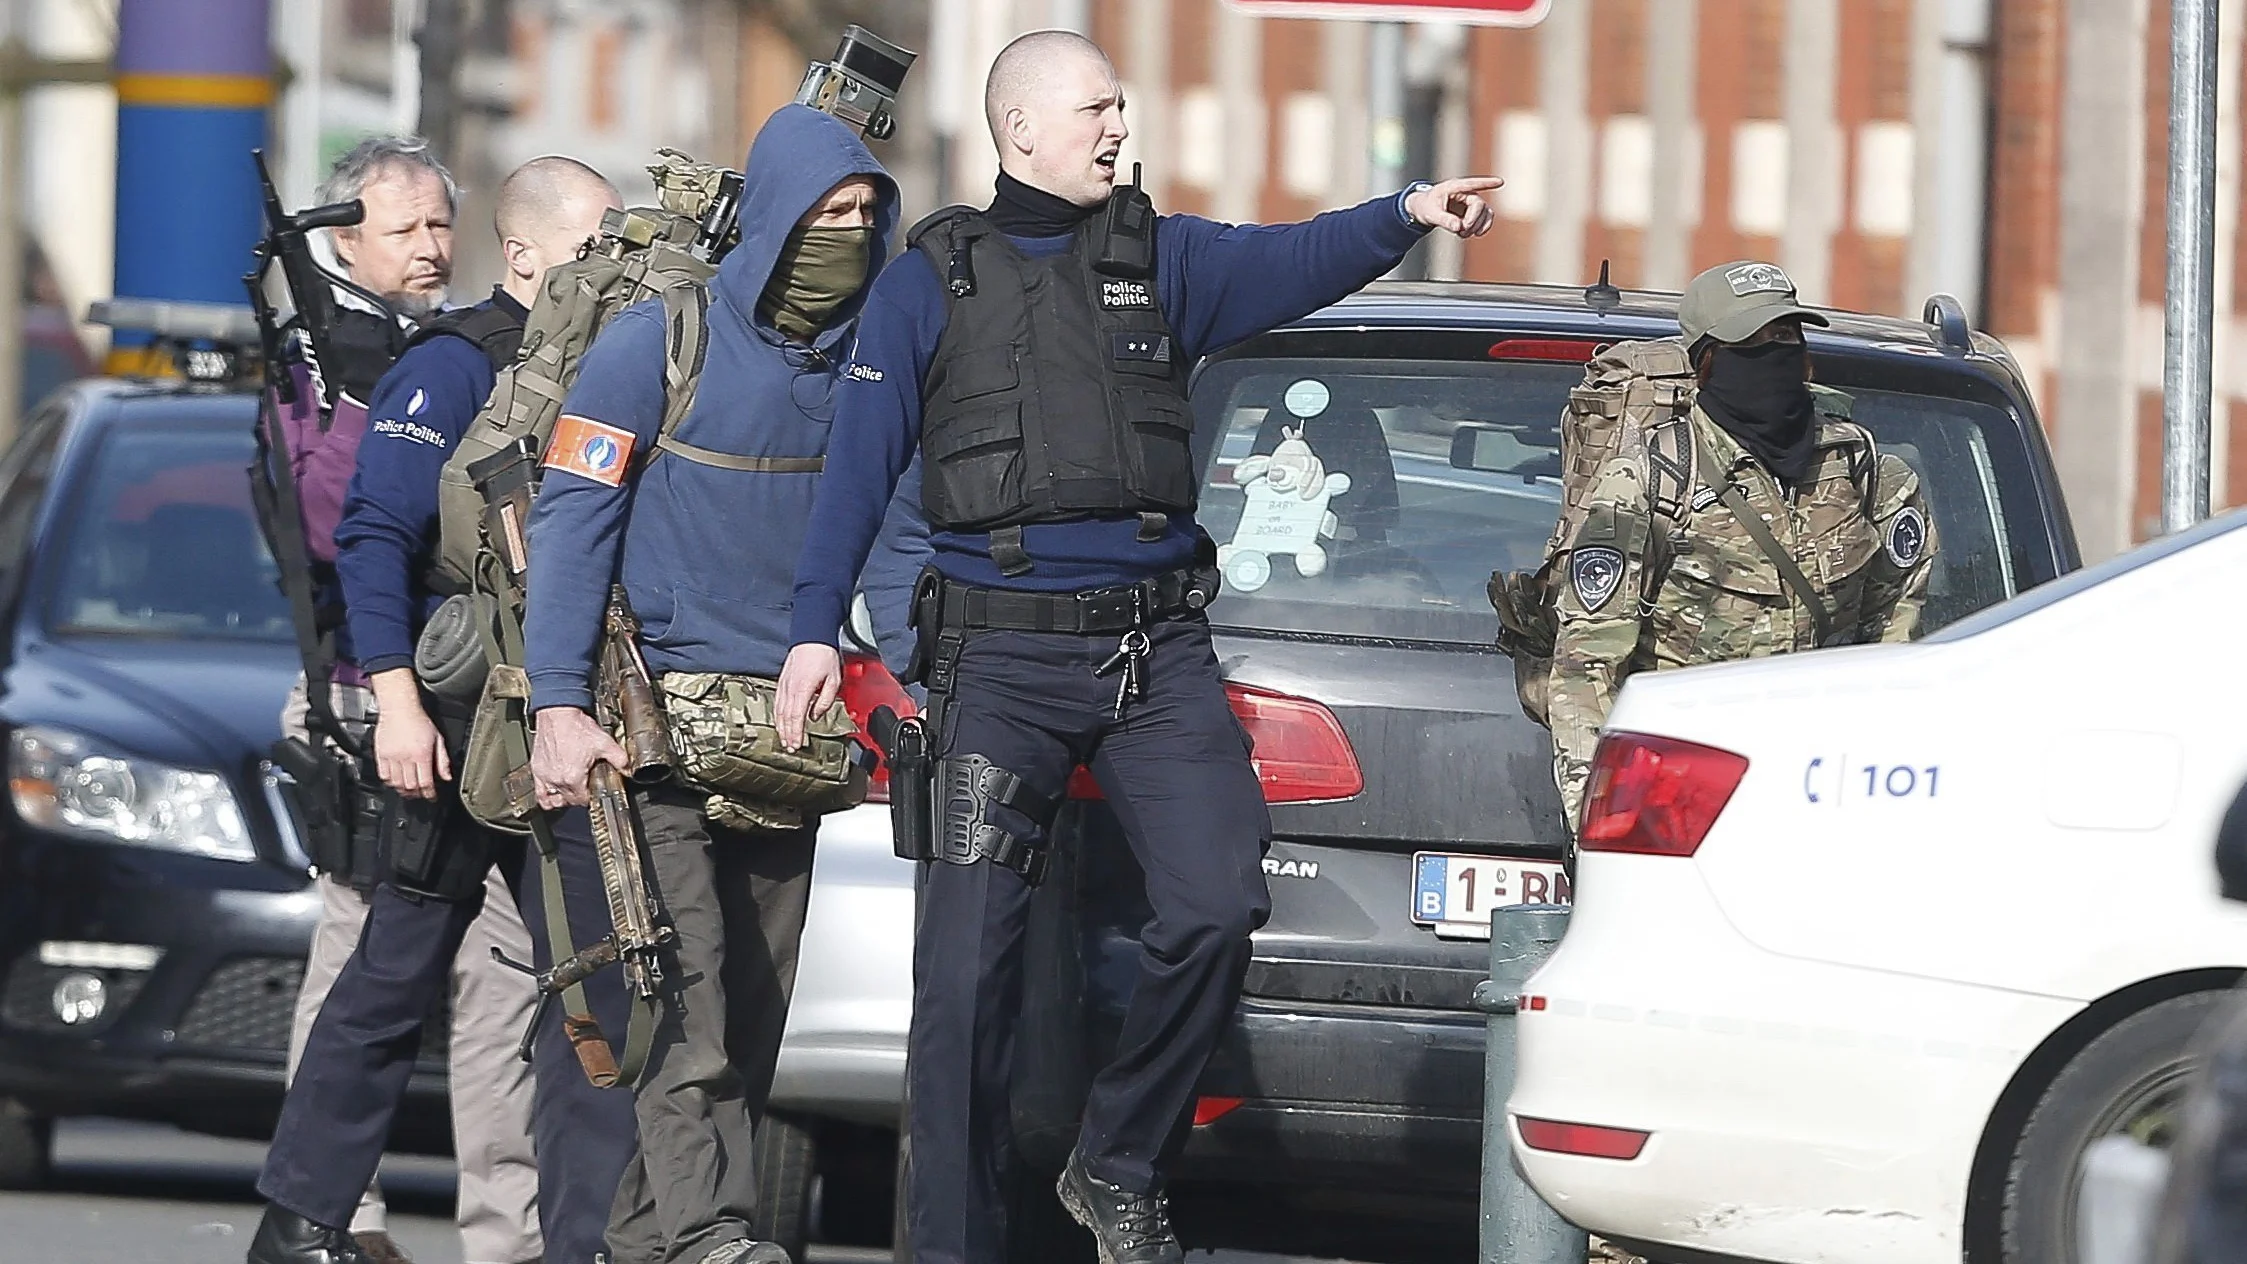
{"x": 590, "y": 449}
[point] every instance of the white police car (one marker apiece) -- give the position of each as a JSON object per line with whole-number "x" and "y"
{"x": 1870, "y": 945}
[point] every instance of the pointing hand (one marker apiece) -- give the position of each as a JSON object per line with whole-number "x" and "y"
{"x": 1455, "y": 206}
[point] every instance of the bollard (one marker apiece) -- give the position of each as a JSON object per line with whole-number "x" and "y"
{"x": 1517, "y": 1226}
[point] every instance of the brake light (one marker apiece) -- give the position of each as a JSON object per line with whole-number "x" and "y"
{"x": 1587, "y": 1140}
{"x": 1302, "y": 755}
{"x": 1656, "y": 796}
{"x": 1208, "y": 1110}
{"x": 868, "y": 685}
{"x": 1567, "y": 350}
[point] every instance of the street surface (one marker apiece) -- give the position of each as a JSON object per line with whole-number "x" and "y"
{"x": 125, "y": 1192}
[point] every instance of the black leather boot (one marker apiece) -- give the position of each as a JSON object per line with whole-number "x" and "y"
{"x": 1129, "y": 1228}
{"x": 284, "y": 1237}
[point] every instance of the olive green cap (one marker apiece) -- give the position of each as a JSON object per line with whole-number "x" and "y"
{"x": 1732, "y": 300}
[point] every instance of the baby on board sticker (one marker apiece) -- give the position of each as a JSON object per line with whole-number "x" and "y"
{"x": 1288, "y": 491}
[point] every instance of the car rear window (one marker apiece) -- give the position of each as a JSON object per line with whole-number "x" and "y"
{"x": 1412, "y": 538}
{"x": 161, "y": 541}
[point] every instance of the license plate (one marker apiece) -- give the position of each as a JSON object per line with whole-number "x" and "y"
{"x": 1455, "y": 893}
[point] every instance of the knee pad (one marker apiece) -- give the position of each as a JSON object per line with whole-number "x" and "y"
{"x": 970, "y": 789}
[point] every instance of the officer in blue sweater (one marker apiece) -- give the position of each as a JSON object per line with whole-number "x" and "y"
{"x": 361, "y": 1049}
{"x": 701, "y": 526}
{"x": 1035, "y": 355}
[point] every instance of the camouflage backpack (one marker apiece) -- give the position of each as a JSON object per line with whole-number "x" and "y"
{"x": 484, "y": 493}
{"x": 665, "y": 252}
{"x": 1636, "y": 398}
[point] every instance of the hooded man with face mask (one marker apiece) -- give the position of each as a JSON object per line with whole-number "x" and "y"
{"x": 701, "y": 525}
{"x": 1795, "y": 531}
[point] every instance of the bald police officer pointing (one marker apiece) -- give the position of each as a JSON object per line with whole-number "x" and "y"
{"x": 1035, "y": 354}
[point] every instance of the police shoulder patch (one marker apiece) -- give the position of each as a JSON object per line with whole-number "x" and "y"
{"x": 1595, "y": 572}
{"x": 590, "y": 449}
{"x": 1906, "y": 542}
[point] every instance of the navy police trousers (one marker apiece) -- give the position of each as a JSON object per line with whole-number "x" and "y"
{"x": 360, "y": 1055}
{"x": 1175, "y": 770}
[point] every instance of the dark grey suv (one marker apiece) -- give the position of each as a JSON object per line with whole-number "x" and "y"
{"x": 1409, "y": 793}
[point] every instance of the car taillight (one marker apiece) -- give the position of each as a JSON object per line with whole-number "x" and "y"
{"x": 867, "y": 685}
{"x": 1589, "y": 1140}
{"x": 1302, "y": 755}
{"x": 1567, "y": 350}
{"x": 1208, "y": 1110}
{"x": 1656, "y": 796}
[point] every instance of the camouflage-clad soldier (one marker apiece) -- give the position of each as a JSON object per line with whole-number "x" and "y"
{"x": 1643, "y": 590}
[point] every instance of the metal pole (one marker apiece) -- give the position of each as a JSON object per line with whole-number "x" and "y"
{"x": 20, "y": 71}
{"x": 439, "y": 40}
{"x": 194, "y": 82}
{"x": 1517, "y": 1226}
{"x": 1385, "y": 110}
{"x": 1384, "y": 106}
{"x": 2189, "y": 328}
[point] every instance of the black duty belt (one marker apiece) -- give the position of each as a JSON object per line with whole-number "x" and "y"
{"x": 1091, "y": 613}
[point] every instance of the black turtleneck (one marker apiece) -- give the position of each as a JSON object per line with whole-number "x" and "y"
{"x": 1019, "y": 210}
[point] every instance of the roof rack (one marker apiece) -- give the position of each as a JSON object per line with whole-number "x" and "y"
{"x": 1948, "y": 317}
{"x": 212, "y": 344}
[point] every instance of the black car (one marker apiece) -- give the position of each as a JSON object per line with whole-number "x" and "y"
{"x": 155, "y": 905}
{"x": 1391, "y": 743}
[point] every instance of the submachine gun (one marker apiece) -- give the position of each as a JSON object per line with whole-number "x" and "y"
{"x": 335, "y": 791}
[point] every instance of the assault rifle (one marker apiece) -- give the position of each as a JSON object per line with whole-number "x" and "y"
{"x": 311, "y": 288}
{"x": 624, "y": 699}
{"x": 336, "y": 792}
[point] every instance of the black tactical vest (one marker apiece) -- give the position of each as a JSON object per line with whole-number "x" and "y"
{"x": 1057, "y": 392}
{"x": 495, "y": 330}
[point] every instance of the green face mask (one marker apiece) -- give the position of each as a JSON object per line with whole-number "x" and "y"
{"x": 817, "y": 272}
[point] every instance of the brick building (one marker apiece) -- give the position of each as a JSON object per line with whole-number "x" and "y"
{"x": 2011, "y": 152}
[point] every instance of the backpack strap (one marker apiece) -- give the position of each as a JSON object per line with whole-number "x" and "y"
{"x": 1671, "y": 464}
{"x": 1734, "y": 499}
{"x": 686, "y": 323}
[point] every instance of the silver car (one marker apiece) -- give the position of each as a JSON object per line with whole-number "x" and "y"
{"x": 826, "y": 1157}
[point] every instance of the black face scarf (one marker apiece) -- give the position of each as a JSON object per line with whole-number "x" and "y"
{"x": 1762, "y": 399}
{"x": 1021, "y": 211}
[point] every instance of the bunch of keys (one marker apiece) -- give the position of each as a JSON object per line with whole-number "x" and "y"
{"x": 1131, "y": 656}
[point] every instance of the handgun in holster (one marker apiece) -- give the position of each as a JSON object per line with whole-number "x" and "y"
{"x": 912, "y": 774}
{"x": 338, "y": 810}
{"x": 425, "y": 858}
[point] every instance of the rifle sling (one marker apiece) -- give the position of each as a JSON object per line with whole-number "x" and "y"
{"x": 1752, "y": 522}
{"x": 602, "y": 1068}
{"x": 286, "y": 529}
{"x": 744, "y": 464}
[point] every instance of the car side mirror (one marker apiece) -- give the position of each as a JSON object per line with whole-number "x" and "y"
{"x": 1496, "y": 450}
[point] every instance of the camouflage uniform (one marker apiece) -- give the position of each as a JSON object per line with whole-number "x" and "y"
{"x": 1637, "y": 592}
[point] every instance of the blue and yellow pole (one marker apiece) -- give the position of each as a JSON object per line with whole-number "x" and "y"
{"x": 194, "y": 81}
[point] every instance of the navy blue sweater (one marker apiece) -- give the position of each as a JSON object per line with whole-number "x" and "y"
{"x": 707, "y": 554}
{"x": 387, "y": 536}
{"x": 1217, "y": 283}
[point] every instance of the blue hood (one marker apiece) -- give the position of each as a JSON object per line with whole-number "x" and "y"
{"x": 798, "y": 157}
{"x": 708, "y": 553}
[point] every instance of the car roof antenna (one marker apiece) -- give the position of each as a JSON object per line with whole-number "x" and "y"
{"x": 1601, "y": 295}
